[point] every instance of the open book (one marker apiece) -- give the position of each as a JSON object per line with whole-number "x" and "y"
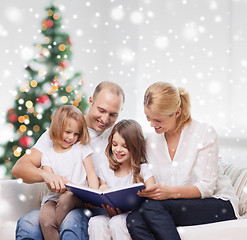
{"x": 125, "y": 198}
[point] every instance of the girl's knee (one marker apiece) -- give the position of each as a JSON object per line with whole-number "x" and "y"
{"x": 117, "y": 220}
{"x": 98, "y": 221}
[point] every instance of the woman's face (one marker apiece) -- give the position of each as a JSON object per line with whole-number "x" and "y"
{"x": 161, "y": 123}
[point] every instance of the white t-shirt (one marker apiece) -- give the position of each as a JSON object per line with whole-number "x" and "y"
{"x": 108, "y": 176}
{"x": 98, "y": 143}
{"x": 195, "y": 162}
{"x": 68, "y": 164}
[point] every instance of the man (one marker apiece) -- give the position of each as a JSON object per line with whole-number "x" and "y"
{"x": 104, "y": 107}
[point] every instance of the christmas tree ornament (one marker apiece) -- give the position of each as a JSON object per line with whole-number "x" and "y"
{"x": 26, "y": 141}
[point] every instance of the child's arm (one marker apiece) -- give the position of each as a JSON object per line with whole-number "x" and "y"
{"x": 48, "y": 169}
{"x": 92, "y": 177}
{"x": 103, "y": 185}
{"x": 149, "y": 182}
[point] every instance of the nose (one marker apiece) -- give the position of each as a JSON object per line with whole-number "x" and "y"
{"x": 152, "y": 124}
{"x": 105, "y": 118}
{"x": 118, "y": 149}
{"x": 70, "y": 135}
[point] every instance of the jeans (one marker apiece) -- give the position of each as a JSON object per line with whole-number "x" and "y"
{"x": 73, "y": 227}
{"x": 159, "y": 219}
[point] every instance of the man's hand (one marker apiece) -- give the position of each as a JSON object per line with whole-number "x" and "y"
{"x": 55, "y": 182}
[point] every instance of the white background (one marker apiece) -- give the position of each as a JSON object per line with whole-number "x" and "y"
{"x": 198, "y": 45}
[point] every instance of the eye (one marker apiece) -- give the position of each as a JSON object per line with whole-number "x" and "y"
{"x": 101, "y": 110}
{"x": 114, "y": 144}
{"x": 114, "y": 115}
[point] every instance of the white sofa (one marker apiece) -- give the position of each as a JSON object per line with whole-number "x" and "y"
{"x": 18, "y": 198}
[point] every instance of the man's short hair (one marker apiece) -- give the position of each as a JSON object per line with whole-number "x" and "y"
{"x": 111, "y": 86}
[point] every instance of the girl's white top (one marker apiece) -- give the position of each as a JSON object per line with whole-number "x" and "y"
{"x": 98, "y": 143}
{"x": 68, "y": 164}
{"x": 108, "y": 175}
{"x": 195, "y": 162}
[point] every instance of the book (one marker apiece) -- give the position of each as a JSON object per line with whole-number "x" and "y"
{"x": 124, "y": 198}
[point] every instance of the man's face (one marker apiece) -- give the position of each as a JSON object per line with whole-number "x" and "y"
{"x": 103, "y": 110}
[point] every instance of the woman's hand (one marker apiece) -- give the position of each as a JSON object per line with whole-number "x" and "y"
{"x": 111, "y": 211}
{"x": 157, "y": 191}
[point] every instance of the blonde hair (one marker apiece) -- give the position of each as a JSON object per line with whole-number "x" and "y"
{"x": 112, "y": 87}
{"x": 61, "y": 118}
{"x": 131, "y": 132}
{"x": 165, "y": 99}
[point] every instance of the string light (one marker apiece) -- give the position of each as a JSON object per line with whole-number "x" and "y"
{"x": 49, "y": 12}
{"x": 47, "y": 40}
{"x": 36, "y": 128}
{"x": 64, "y": 99}
{"x": 21, "y": 119}
{"x": 23, "y": 128}
{"x": 56, "y": 16}
{"x": 21, "y": 101}
{"x": 75, "y": 103}
{"x": 30, "y": 110}
{"x": 62, "y": 47}
{"x": 29, "y": 104}
{"x": 33, "y": 83}
{"x": 69, "y": 89}
{"x": 17, "y": 154}
{"x": 42, "y": 72}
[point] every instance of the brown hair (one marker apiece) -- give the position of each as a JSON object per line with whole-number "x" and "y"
{"x": 165, "y": 99}
{"x": 61, "y": 118}
{"x": 131, "y": 132}
{"x": 113, "y": 87}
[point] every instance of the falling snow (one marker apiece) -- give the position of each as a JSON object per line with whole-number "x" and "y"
{"x": 199, "y": 45}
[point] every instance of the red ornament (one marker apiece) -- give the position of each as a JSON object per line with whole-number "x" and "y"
{"x": 56, "y": 83}
{"x": 11, "y": 110}
{"x": 69, "y": 41}
{"x": 49, "y": 23}
{"x": 26, "y": 141}
{"x": 43, "y": 99}
{"x": 12, "y": 116}
{"x": 64, "y": 64}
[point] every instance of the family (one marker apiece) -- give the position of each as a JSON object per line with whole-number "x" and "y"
{"x": 178, "y": 163}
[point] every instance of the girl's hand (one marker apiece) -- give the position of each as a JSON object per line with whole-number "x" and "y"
{"x": 157, "y": 191}
{"x": 103, "y": 187}
{"x": 111, "y": 211}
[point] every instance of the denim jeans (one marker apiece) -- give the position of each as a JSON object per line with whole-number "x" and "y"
{"x": 158, "y": 219}
{"x": 73, "y": 227}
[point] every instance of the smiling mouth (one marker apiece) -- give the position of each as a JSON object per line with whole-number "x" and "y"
{"x": 119, "y": 156}
{"x": 101, "y": 124}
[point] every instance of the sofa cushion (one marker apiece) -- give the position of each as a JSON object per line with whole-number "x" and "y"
{"x": 238, "y": 178}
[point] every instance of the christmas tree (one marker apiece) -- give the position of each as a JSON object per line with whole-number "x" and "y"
{"x": 50, "y": 84}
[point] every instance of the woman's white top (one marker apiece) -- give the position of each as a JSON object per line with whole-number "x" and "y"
{"x": 68, "y": 164}
{"x": 195, "y": 162}
{"x": 108, "y": 175}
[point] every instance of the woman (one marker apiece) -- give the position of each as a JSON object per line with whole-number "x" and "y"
{"x": 189, "y": 187}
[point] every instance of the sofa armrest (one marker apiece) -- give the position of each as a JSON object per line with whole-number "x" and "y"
{"x": 18, "y": 198}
